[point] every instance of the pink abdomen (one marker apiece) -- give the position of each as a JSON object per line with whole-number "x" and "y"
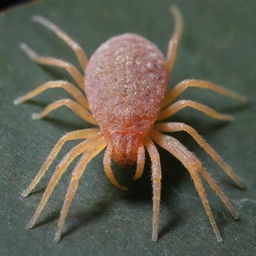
{"x": 125, "y": 82}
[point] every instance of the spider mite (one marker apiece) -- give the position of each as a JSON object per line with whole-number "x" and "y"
{"x": 123, "y": 91}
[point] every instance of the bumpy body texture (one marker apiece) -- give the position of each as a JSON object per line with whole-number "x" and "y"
{"x": 126, "y": 82}
{"x": 123, "y": 91}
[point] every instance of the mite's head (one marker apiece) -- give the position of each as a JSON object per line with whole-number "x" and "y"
{"x": 124, "y": 148}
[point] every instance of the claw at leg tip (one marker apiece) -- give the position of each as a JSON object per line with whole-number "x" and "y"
{"x": 56, "y": 238}
{"x": 24, "y": 47}
{"x": 154, "y": 237}
{"x": 241, "y": 185}
{"x": 220, "y": 239}
{"x": 25, "y": 193}
{"x": 28, "y": 51}
{"x": 17, "y": 101}
{"x": 30, "y": 225}
{"x": 230, "y": 118}
{"x": 244, "y": 99}
{"x": 36, "y": 18}
{"x": 236, "y": 216}
{"x": 35, "y": 116}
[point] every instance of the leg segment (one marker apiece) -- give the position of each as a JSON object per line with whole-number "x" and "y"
{"x": 175, "y": 127}
{"x": 156, "y": 183}
{"x": 76, "y": 175}
{"x": 81, "y": 134}
{"x": 200, "y": 190}
{"x": 182, "y": 86}
{"x": 70, "y": 68}
{"x": 108, "y": 169}
{"x": 192, "y": 164}
{"x": 220, "y": 193}
{"x": 75, "y": 107}
{"x": 80, "y": 54}
{"x": 140, "y": 163}
{"x": 173, "y": 43}
{"x": 60, "y": 169}
{"x": 179, "y": 105}
{"x": 71, "y": 89}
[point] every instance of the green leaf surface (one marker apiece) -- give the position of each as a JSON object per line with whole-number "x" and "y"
{"x": 218, "y": 45}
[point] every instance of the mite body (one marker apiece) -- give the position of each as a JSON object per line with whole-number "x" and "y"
{"x": 123, "y": 91}
{"x": 126, "y": 81}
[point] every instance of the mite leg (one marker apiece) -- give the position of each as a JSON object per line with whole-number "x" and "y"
{"x": 220, "y": 193}
{"x": 179, "y": 105}
{"x": 81, "y": 134}
{"x": 156, "y": 182}
{"x": 71, "y": 89}
{"x": 201, "y": 191}
{"x": 140, "y": 163}
{"x": 75, "y": 107}
{"x": 183, "y": 85}
{"x": 108, "y": 169}
{"x": 173, "y": 43}
{"x": 76, "y": 175}
{"x": 80, "y": 54}
{"x": 193, "y": 165}
{"x": 174, "y": 127}
{"x": 70, "y": 68}
{"x": 60, "y": 169}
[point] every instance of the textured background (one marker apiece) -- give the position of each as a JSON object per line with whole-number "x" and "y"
{"x": 218, "y": 45}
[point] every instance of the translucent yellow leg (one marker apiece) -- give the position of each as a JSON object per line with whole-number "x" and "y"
{"x": 193, "y": 165}
{"x": 81, "y": 134}
{"x": 140, "y": 163}
{"x": 220, "y": 193}
{"x": 70, "y": 68}
{"x": 108, "y": 169}
{"x": 76, "y": 175}
{"x": 80, "y": 54}
{"x": 179, "y": 105}
{"x": 75, "y": 107}
{"x": 60, "y": 169}
{"x": 183, "y": 85}
{"x": 174, "y": 127}
{"x": 71, "y": 89}
{"x": 156, "y": 183}
{"x": 173, "y": 43}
